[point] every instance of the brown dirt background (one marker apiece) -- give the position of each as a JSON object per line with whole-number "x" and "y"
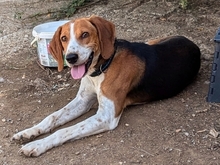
{"x": 167, "y": 132}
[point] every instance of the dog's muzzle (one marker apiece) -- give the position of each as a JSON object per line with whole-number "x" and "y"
{"x": 72, "y": 58}
{"x": 78, "y": 71}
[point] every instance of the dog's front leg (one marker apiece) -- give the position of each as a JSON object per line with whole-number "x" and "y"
{"x": 85, "y": 98}
{"x": 105, "y": 119}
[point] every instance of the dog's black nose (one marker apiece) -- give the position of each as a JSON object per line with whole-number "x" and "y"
{"x": 71, "y": 58}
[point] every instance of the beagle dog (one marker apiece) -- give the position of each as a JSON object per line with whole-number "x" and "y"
{"x": 114, "y": 72}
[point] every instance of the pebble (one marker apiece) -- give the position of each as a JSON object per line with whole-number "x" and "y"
{"x": 99, "y": 136}
{"x": 178, "y": 130}
{"x": 170, "y": 149}
{"x": 3, "y": 120}
{"x": 186, "y": 133}
{"x": 2, "y": 80}
{"x": 183, "y": 101}
{"x": 77, "y": 153}
{"x": 207, "y": 82}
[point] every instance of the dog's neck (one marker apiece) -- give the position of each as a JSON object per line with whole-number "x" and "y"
{"x": 103, "y": 64}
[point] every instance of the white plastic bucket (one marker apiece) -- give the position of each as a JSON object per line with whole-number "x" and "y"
{"x": 43, "y": 34}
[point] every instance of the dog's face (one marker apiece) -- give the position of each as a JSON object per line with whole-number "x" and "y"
{"x": 82, "y": 41}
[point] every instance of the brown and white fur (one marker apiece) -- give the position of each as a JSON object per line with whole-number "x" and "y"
{"x": 137, "y": 73}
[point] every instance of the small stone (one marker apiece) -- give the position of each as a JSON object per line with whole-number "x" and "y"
{"x": 178, "y": 130}
{"x": 193, "y": 115}
{"x": 77, "y": 153}
{"x": 207, "y": 82}
{"x": 59, "y": 76}
{"x": 186, "y": 133}
{"x": 183, "y": 101}
{"x": 170, "y": 149}
{"x": 3, "y": 120}
{"x": 126, "y": 125}
{"x": 99, "y": 136}
{"x": 199, "y": 41}
{"x": 2, "y": 80}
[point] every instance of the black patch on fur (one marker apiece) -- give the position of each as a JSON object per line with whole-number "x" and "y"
{"x": 170, "y": 66}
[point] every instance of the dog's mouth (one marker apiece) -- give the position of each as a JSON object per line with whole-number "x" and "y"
{"x": 77, "y": 72}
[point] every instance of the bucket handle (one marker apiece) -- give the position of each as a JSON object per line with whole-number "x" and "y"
{"x": 34, "y": 41}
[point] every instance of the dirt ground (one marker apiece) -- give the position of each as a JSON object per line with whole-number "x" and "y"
{"x": 168, "y": 132}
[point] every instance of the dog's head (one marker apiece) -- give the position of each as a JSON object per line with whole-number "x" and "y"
{"x": 82, "y": 41}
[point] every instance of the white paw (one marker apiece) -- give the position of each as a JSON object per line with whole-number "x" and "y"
{"x": 26, "y": 135}
{"x": 33, "y": 149}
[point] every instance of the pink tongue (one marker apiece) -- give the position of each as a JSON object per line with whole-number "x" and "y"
{"x": 78, "y": 72}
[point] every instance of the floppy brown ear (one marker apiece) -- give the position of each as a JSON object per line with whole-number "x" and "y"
{"x": 56, "y": 49}
{"x": 106, "y": 33}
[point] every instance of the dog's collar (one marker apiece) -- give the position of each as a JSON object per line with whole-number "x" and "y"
{"x": 106, "y": 64}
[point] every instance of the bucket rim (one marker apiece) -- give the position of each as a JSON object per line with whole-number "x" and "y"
{"x": 38, "y": 33}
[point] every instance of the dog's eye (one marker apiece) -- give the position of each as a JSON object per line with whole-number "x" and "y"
{"x": 63, "y": 38}
{"x": 85, "y": 35}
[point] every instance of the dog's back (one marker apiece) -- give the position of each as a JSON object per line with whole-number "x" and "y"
{"x": 170, "y": 66}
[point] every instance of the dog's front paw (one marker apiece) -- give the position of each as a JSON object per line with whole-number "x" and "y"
{"x": 33, "y": 149}
{"x": 26, "y": 135}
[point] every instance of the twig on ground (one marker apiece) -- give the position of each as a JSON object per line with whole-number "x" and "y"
{"x": 59, "y": 11}
{"x": 38, "y": 63}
